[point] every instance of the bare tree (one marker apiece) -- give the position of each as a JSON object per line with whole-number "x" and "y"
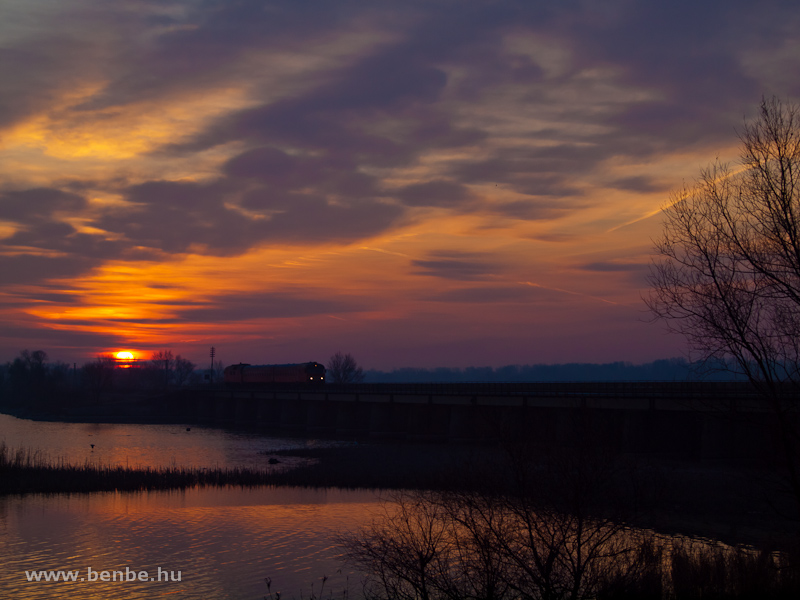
{"x": 163, "y": 365}
{"x": 163, "y": 359}
{"x": 29, "y": 375}
{"x": 183, "y": 369}
{"x": 553, "y": 538}
{"x": 343, "y": 368}
{"x": 406, "y": 550}
{"x": 728, "y": 270}
{"x": 99, "y": 374}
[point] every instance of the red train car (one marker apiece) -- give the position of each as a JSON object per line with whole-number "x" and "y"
{"x": 312, "y": 373}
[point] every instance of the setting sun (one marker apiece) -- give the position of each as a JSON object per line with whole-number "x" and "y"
{"x": 124, "y": 355}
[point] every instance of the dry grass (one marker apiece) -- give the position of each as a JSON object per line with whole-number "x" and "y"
{"x": 23, "y": 471}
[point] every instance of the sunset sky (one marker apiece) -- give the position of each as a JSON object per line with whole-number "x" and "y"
{"x": 418, "y": 183}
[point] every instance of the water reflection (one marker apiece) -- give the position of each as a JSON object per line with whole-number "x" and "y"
{"x": 223, "y": 541}
{"x": 144, "y": 445}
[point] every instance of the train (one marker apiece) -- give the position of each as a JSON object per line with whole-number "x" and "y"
{"x": 311, "y": 373}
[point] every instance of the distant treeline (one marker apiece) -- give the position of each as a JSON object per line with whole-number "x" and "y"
{"x": 673, "y": 369}
{"x": 32, "y": 381}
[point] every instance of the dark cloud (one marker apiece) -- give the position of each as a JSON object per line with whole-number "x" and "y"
{"x": 459, "y": 266}
{"x": 607, "y": 266}
{"x": 386, "y": 81}
{"x": 403, "y": 81}
{"x": 651, "y": 128}
{"x": 55, "y": 297}
{"x": 56, "y": 342}
{"x": 396, "y": 81}
{"x": 176, "y": 216}
{"x": 490, "y": 295}
{"x": 689, "y": 55}
{"x": 688, "y": 61}
{"x": 400, "y": 80}
{"x": 233, "y": 308}
{"x": 38, "y": 204}
{"x": 111, "y": 321}
{"x": 549, "y": 171}
{"x": 45, "y": 240}
{"x": 554, "y": 237}
{"x": 314, "y": 220}
{"x": 637, "y": 273}
{"x": 27, "y": 268}
{"x": 534, "y": 209}
{"x": 284, "y": 173}
{"x": 297, "y": 198}
{"x": 432, "y": 127}
{"x": 199, "y": 48}
{"x": 62, "y": 237}
{"x": 640, "y": 184}
{"x": 42, "y": 295}
{"x": 436, "y": 193}
{"x": 35, "y": 72}
{"x": 267, "y": 164}
{"x": 271, "y": 306}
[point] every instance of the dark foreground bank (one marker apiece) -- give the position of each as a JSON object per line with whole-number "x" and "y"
{"x": 730, "y": 503}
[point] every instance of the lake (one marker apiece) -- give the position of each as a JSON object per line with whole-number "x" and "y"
{"x": 220, "y": 542}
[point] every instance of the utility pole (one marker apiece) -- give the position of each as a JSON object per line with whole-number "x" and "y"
{"x": 211, "y": 376}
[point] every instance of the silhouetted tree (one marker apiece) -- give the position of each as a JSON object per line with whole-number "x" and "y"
{"x": 183, "y": 369}
{"x": 162, "y": 357}
{"x": 30, "y": 380}
{"x": 29, "y": 376}
{"x": 30, "y": 366}
{"x": 727, "y": 275}
{"x": 98, "y": 375}
{"x": 343, "y": 368}
{"x": 162, "y": 363}
{"x": 558, "y": 532}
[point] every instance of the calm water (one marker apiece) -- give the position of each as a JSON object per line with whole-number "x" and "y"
{"x": 224, "y": 542}
{"x": 145, "y": 445}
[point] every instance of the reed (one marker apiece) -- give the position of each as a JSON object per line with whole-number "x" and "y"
{"x": 321, "y": 594}
{"x": 23, "y": 471}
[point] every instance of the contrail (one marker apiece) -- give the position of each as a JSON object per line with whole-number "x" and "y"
{"x": 652, "y": 213}
{"x": 381, "y": 250}
{"x": 555, "y": 289}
